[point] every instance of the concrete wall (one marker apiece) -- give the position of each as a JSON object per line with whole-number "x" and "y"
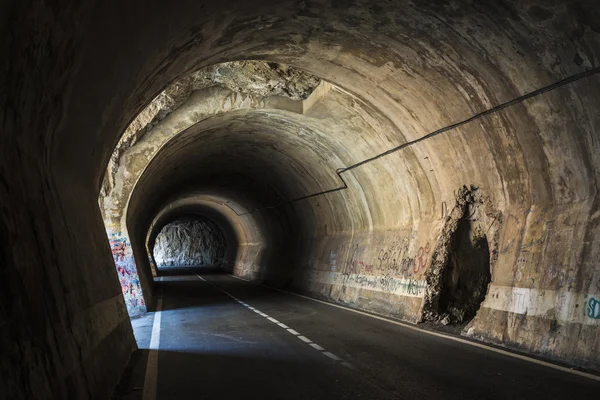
{"x": 74, "y": 76}
{"x": 364, "y": 247}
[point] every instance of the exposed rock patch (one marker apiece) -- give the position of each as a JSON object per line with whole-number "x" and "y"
{"x": 257, "y": 78}
{"x": 189, "y": 242}
{"x": 460, "y": 273}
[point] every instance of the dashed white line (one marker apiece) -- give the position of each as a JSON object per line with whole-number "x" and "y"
{"x": 437, "y": 334}
{"x": 317, "y": 347}
{"x": 305, "y": 339}
{"x": 348, "y": 365}
{"x": 152, "y": 363}
{"x": 332, "y": 356}
{"x": 287, "y": 328}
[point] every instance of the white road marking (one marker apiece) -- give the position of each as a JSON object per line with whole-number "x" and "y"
{"x": 290, "y": 330}
{"x": 317, "y": 347}
{"x": 348, "y": 365}
{"x": 332, "y": 356}
{"x": 305, "y": 339}
{"x": 438, "y": 334}
{"x": 152, "y": 364}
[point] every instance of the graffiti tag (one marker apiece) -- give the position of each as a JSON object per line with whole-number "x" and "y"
{"x": 593, "y": 308}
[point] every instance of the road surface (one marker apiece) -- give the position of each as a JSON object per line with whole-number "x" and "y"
{"x": 218, "y": 337}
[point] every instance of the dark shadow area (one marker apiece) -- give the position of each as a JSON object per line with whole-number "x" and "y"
{"x": 214, "y": 269}
{"x": 466, "y": 276}
{"x": 187, "y": 291}
{"x": 261, "y": 374}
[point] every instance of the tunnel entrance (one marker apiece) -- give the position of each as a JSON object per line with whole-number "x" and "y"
{"x": 465, "y": 277}
{"x": 188, "y": 242}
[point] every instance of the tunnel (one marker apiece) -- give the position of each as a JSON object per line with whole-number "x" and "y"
{"x": 300, "y": 198}
{"x": 188, "y": 241}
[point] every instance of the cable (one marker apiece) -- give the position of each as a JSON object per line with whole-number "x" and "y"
{"x": 493, "y": 110}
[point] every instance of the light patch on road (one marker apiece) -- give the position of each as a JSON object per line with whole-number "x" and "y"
{"x": 290, "y": 330}
{"x": 152, "y": 364}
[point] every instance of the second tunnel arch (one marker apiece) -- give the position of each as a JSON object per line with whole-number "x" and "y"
{"x": 239, "y": 234}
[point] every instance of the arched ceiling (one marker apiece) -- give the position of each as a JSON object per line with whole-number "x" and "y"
{"x": 495, "y": 103}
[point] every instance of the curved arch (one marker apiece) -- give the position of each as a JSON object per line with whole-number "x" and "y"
{"x": 402, "y": 69}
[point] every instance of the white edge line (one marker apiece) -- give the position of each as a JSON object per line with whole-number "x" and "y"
{"x": 438, "y": 334}
{"x": 152, "y": 363}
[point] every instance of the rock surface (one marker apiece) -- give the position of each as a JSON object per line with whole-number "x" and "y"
{"x": 189, "y": 242}
{"x": 256, "y": 78}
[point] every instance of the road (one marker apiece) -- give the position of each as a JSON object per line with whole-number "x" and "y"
{"x": 223, "y": 338}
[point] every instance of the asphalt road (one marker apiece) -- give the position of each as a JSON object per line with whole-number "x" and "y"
{"x": 222, "y": 338}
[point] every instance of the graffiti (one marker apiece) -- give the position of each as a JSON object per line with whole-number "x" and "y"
{"x": 351, "y": 265}
{"x": 386, "y": 283}
{"x": 592, "y": 308}
{"x": 367, "y": 267}
{"x": 510, "y": 231}
{"x": 415, "y": 287}
{"x": 332, "y": 262}
{"x": 387, "y": 259}
{"x": 536, "y": 230}
{"x": 392, "y": 259}
{"x": 423, "y": 252}
{"x": 522, "y": 262}
{"x": 127, "y": 273}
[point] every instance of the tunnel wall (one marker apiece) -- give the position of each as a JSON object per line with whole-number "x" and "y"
{"x": 71, "y": 86}
{"x": 64, "y": 328}
{"x": 378, "y": 245}
{"x": 541, "y": 224}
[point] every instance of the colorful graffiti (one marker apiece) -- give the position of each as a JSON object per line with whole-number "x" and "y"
{"x": 593, "y": 308}
{"x": 127, "y": 272}
{"x": 423, "y": 252}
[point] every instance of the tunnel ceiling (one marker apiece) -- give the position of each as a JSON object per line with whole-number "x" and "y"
{"x": 341, "y": 145}
{"x": 358, "y": 151}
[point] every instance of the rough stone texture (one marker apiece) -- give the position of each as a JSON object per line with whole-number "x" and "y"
{"x": 189, "y": 242}
{"x": 460, "y": 271}
{"x": 256, "y": 79}
{"x": 74, "y": 76}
